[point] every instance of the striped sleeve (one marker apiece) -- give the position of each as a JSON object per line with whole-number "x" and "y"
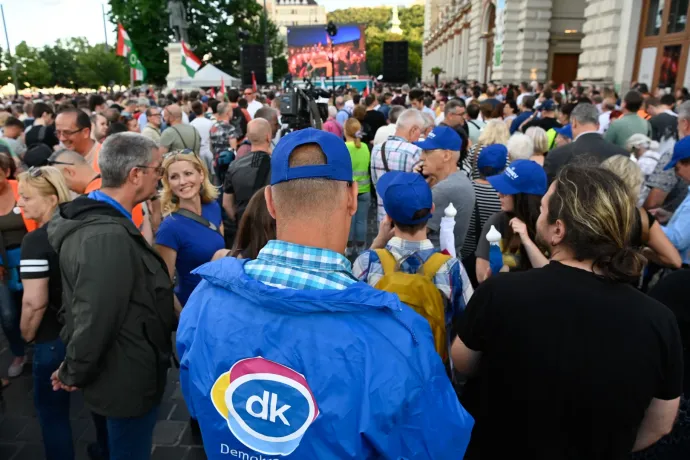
{"x": 35, "y": 256}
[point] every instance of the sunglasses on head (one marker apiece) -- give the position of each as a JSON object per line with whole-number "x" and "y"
{"x": 179, "y": 152}
{"x": 37, "y": 172}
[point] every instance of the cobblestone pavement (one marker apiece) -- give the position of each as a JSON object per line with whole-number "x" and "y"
{"x": 20, "y": 434}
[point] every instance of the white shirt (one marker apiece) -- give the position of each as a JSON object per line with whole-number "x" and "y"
{"x": 203, "y": 125}
{"x": 383, "y": 133}
{"x": 520, "y": 96}
{"x": 253, "y": 106}
{"x": 604, "y": 122}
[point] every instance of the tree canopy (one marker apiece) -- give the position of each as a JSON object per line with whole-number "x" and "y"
{"x": 378, "y": 21}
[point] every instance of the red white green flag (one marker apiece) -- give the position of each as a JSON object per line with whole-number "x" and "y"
{"x": 189, "y": 60}
{"x": 126, "y": 49}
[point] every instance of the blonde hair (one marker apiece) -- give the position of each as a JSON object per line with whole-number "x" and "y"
{"x": 208, "y": 192}
{"x": 495, "y": 132}
{"x": 49, "y": 182}
{"x": 538, "y": 136}
{"x": 629, "y": 171}
{"x": 352, "y": 127}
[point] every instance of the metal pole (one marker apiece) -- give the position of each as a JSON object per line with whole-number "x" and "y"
{"x": 9, "y": 52}
{"x": 105, "y": 30}
{"x": 333, "y": 68}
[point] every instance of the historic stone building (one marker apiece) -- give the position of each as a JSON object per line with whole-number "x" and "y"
{"x": 611, "y": 42}
{"x": 286, "y": 13}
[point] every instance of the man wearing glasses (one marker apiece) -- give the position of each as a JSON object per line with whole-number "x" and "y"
{"x": 152, "y": 130}
{"x": 118, "y": 334}
{"x": 73, "y": 129}
{"x": 252, "y": 104}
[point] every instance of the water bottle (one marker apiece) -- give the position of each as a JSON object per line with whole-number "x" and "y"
{"x": 495, "y": 254}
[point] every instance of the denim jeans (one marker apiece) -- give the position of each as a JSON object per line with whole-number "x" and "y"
{"x": 126, "y": 438}
{"x": 358, "y": 227}
{"x": 10, "y": 311}
{"x": 52, "y": 406}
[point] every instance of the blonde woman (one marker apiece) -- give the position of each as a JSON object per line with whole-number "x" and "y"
{"x": 540, "y": 142}
{"x": 494, "y": 132}
{"x": 41, "y": 190}
{"x": 192, "y": 230}
{"x": 647, "y": 231}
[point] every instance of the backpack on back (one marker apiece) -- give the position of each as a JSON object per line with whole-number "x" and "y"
{"x": 418, "y": 292}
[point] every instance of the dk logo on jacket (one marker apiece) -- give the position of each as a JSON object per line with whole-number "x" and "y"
{"x": 268, "y": 406}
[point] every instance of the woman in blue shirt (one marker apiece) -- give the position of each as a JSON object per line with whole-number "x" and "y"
{"x": 192, "y": 229}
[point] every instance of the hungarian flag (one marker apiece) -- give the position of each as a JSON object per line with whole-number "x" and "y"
{"x": 254, "y": 82}
{"x": 212, "y": 93}
{"x": 189, "y": 60}
{"x": 125, "y": 49}
{"x": 221, "y": 91}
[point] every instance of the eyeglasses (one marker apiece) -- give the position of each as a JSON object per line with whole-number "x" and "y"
{"x": 55, "y": 162}
{"x": 61, "y": 133}
{"x": 159, "y": 170}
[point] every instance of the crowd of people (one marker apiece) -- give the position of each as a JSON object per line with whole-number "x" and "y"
{"x": 524, "y": 291}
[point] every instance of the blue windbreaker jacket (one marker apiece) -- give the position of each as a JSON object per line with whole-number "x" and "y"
{"x": 278, "y": 373}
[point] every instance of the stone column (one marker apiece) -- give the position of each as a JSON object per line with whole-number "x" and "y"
{"x": 610, "y": 41}
{"x": 530, "y": 36}
{"x": 473, "y": 64}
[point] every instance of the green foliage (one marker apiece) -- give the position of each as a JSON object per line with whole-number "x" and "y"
{"x": 31, "y": 69}
{"x": 98, "y": 66}
{"x": 377, "y": 21}
{"x": 146, "y": 22}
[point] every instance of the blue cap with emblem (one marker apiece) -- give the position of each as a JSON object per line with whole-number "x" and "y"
{"x": 681, "y": 151}
{"x": 522, "y": 176}
{"x": 441, "y": 138}
{"x": 403, "y": 194}
{"x": 338, "y": 162}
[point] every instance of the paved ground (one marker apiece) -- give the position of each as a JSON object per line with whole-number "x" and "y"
{"x": 20, "y": 434}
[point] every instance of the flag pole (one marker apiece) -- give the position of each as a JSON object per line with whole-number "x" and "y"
{"x": 105, "y": 30}
{"x": 9, "y": 52}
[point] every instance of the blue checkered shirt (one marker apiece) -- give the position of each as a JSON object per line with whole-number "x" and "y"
{"x": 401, "y": 156}
{"x": 451, "y": 279}
{"x": 292, "y": 266}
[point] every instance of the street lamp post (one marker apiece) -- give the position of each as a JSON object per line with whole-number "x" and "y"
{"x": 9, "y": 52}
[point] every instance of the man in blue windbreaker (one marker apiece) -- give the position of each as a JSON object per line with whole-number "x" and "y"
{"x": 289, "y": 356}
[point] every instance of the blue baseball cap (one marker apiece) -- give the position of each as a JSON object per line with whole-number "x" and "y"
{"x": 405, "y": 193}
{"x": 681, "y": 151}
{"x": 548, "y": 105}
{"x": 338, "y": 162}
{"x": 522, "y": 176}
{"x": 442, "y": 137}
{"x": 566, "y": 131}
{"x": 204, "y": 98}
{"x": 494, "y": 156}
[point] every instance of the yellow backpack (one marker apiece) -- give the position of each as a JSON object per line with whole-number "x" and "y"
{"x": 418, "y": 292}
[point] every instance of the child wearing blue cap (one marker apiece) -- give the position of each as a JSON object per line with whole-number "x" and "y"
{"x": 402, "y": 241}
{"x": 520, "y": 189}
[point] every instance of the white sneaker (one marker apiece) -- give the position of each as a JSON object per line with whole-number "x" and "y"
{"x": 16, "y": 370}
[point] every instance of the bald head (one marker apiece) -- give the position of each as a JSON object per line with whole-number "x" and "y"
{"x": 78, "y": 172}
{"x": 173, "y": 113}
{"x": 259, "y": 134}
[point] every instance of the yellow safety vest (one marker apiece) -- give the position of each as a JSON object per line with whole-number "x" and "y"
{"x": 360, "y": 166}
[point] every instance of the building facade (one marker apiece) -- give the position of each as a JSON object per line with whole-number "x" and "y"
{"x": 606, "y": 42}
{"x": 287, "y": 13}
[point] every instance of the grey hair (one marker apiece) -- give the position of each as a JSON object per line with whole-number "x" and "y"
{"x": 394, "y": 113}
{"x": 429, "y": 121}
{"x": 134, "y": 101}
{"x": 684, "y": 110}
{"x": 585, "y": 114}
{"x": 69, "y": 155}
{"x": 120, "y": 154}
{"x": 520, "y": 147}
{"x": 410, "y": 118}
{"x": 223, "y": 108}
{"x": 143, "y": 101}
{"x": 332, "y": 111}
{"x": 452, "y": 105}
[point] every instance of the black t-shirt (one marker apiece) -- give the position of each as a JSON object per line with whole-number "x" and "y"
{"x": 33, "y": 136}
{"x": 569, "y": 364}
{"x": 664, "y": 126}
{"x": 245, "y": 176}
{"x": 672, "y": 291}
{"x": 40, "y": 261}
{"x": 374, "y": 119}
{"x": 544, "y": 123}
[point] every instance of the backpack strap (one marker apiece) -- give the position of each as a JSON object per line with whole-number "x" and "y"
{"x": 434, "y": 264}
{"x": 387, "y": 260}
{"x": 383, "y": 157}
{"x": 644, "y": 225}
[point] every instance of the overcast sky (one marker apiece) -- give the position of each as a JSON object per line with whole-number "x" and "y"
{"x": 41, "y": 22}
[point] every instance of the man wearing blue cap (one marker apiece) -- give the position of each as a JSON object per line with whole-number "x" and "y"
{"x": 289, "y": 355}
{"x": 440, "y": 157}
{"x": 678, "y": 228}
{"x": 547, "y": 119}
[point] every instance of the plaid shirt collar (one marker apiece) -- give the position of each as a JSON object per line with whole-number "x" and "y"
{"x": 404, "y": 246}
{"x": 304, "y": 257}
{"x": 397, "y": 138}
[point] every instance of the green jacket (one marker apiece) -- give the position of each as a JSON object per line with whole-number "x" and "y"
{"x": 118, "y": 305}
{"x": 620, "y": 130}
